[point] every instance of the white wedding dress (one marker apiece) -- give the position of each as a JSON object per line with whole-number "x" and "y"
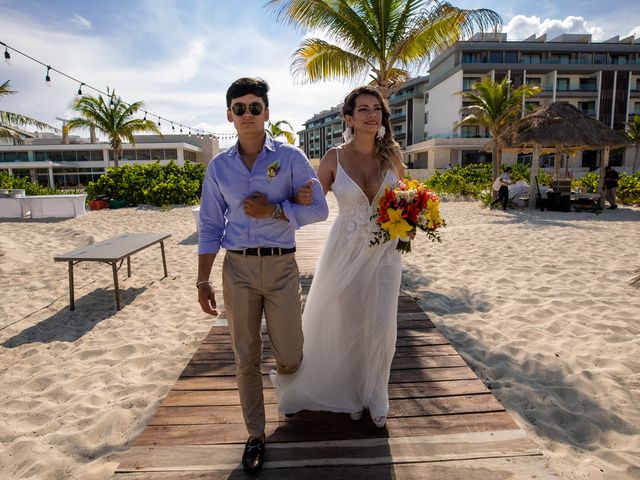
{"x": 349, "y": 320}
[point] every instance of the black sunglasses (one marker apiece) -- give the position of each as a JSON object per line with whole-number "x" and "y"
{"x": 255, "y": 108}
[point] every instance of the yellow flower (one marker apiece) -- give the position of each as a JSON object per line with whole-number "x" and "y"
{"x": 397, "y": 226}
{"x": 433, "y": 213}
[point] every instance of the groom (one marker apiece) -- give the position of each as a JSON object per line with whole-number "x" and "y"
{"x": 247, "y": 208}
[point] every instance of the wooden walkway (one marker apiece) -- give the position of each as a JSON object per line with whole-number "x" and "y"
{"x": 443, "y": 422}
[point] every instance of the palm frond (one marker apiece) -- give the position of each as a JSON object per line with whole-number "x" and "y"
{"x": 320, "y": 60}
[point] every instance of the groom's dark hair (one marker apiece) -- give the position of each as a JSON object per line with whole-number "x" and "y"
{"x": 244, "y": 86}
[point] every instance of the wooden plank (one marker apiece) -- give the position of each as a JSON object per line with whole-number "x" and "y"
{"x": 435, "y": 448}
{"x": 527, "y": 467}
{"x": 403, "y": 390}
{"x": 201, "y": 415}
{"x": 342, "y": 428}
{"x": 213, "y": 368}
{"x": 397, "y": 376}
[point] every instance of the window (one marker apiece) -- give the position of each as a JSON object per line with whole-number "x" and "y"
{"x": 171, "y": 154}
{"x": 495, "y": 57}
{"x": 619, "y": 59}
{"x": 128, "y": 155}
{"x": 586, "y": 58}
{"x": 510, "y": 57}
{"x": 531, "y": 58}
{"x": 475, "y": 57}
{"x": 189, "y": 156}
{"x": 15, "y": 157}
{"x": 143, "y": 155}
{"x": 563, "y": 84}
{"x": 54, "y": 156}
{"x": 561, "y": 58}
{"x": 475, "y": 157}
{"x": 534, "y": 81}
{"x": 467, "y": 83}
{"x": 588, "y": 107}
{"x": 600, "y": 58}
{"x": 588, "y": 84}
{"x": 69, "y": 156}
{"x": 470, "y": 131}
{"x": 157, "y": 154}
{"x": 41, "y": 156}
{"x": 616, "y": 156}
{"x": 84, "y": 156}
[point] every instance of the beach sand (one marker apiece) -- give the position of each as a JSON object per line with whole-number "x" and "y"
{"x": 537, "y": 303}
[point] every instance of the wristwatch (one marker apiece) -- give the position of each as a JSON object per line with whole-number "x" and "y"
{"x": 277, "y": 212}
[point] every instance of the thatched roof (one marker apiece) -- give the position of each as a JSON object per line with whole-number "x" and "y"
{"x": 559, "y": 124}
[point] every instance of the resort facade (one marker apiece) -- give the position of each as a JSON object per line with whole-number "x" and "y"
{"x": 600, "y": 78}
{"x": 68, "y": 162}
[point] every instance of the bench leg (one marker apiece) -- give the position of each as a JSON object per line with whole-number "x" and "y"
{"x": 115, "y": 282}
{"x": 164, "y": 260}
{"x": 72, "y": 303}
{"x": 128, "y": 267}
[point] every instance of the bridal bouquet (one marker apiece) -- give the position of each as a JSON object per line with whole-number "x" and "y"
{"x": 404, "y": 209}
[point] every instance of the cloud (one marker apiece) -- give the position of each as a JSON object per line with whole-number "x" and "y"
{"x": 521, "y": 26}
{"x": 81, "y": 21}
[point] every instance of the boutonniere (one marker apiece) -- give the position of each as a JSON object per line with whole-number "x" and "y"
{"x": 273, "y": 169}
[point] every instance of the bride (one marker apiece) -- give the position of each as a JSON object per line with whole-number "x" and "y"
{"x": 349, "y": 320}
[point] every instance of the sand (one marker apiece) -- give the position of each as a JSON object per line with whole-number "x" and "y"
{"x": 537, "y": 303}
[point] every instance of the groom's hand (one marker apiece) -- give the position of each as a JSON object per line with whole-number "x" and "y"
{"x": 304, "y": 195}
{"x": 207, "y": 299}
{"x": 258, "y": 206}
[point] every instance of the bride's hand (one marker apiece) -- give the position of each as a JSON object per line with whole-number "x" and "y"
{"x": 304, "y": 195}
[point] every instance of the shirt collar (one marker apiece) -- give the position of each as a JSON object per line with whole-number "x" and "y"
{"x": 269, "y": 144}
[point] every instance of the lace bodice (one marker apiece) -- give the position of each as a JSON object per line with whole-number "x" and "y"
{"x": 354, "y": 211}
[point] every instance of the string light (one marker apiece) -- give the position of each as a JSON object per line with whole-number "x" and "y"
{"x": 112, "y": 99}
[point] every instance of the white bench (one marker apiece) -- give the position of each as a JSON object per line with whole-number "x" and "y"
{"x": 56, "y": 206}
{"x": 43, "y": 206}
{"x": 11, "y": 207}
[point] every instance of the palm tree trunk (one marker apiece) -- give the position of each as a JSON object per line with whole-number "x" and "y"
{"x": 635, "y": 159}
{"x": 116, "y": 163}
{"x": 495, "y": 164}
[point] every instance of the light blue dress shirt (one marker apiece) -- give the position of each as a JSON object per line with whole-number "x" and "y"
{"x": 228, "y": 182}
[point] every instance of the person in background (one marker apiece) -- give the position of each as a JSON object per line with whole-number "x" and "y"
{"x": 502, "y": 186}
{"x": 610, "y": 186}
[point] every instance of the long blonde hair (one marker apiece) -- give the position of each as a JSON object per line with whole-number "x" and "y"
{"x": 386, "y": 147}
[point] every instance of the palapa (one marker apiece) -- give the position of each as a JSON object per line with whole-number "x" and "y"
{"x": 560, "y": 126}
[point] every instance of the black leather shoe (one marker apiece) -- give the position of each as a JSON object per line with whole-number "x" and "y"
{"x": 253, "y": 455}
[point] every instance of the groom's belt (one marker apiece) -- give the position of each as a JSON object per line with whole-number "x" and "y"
{"x": 264, "y": 251}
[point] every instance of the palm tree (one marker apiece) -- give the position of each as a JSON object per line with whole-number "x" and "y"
{"x": 113, "y": 118}
{"x": 633, "y": 132}
{"x": 11, "y": 124}
{"x": 275, "y": 130}
{"x": 494, "y": 105}
{"x": 382, "y": 38}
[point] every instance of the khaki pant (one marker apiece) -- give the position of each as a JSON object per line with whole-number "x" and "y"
{"x": 252, "y": 285}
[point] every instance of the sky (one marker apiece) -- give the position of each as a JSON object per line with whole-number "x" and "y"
{"x": 180, "y": 56}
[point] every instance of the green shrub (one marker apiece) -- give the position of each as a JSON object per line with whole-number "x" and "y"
{"x": 473, "y": 180}
{"x": 30, "y": 188}
{"x": 151, "y": 183}
{"x": 588, "y": 183}
{"x": 629, "y": 189}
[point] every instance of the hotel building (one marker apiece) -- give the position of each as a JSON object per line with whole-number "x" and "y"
{"x": 73, "y": 161}
{"x": 600, "y": 78}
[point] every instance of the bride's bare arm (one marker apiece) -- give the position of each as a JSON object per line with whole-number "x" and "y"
{"x": 398, "y": 164}
{"x": 327, "y": 169}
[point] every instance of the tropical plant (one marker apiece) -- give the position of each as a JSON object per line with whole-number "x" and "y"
{"x": 494, "y": 105}
{"x": 151, "y": 183}
{"x": 114, "y": 118}
{"x": 633, "y": 132}
{"x": 275, "y": 129}
{"x": 11, "y": 124}
{"x": 381, "y": 38}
